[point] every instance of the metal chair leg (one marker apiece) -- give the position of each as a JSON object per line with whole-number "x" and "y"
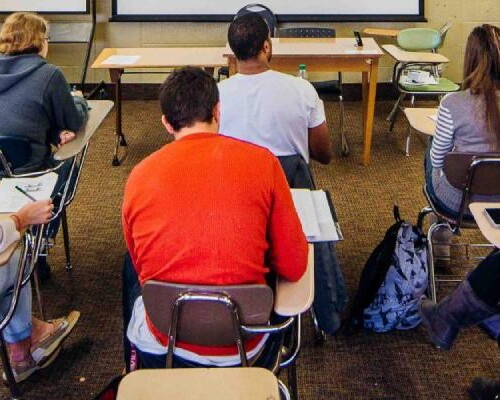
{"x": 343, "y": 140}
{"x": 64, "y": 221}
{"x": 285, "y": 394}
{"x": 430, "y": 257}
{"x": 13, "y": 387}
{"x": 36, "y": 282}
{"x": 292, "y": 381}
{"x": 394, "y": 112}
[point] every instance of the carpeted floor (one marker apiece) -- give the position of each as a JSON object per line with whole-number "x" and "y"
{"x": 396, "y": 365}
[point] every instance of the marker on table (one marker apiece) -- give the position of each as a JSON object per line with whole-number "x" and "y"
{"x": 29, "y": 196}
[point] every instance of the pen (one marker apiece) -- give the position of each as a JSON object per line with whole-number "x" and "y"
{"x": 29, "y": 196}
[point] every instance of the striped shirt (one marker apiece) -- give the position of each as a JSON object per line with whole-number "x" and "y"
{"x": 443, "y": 138}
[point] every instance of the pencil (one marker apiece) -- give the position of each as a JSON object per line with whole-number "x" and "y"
{"x": 29, "y": 196}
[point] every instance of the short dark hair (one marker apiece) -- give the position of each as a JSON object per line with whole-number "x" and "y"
{"x": 187, "y": 96}
{"x": 246, "y": 36}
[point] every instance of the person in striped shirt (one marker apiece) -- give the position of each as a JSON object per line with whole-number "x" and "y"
{"x": 468, "y": 120}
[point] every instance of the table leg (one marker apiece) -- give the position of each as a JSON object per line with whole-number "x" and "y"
{"x": 116, "y": 78}
{"x": 369, "y": 108}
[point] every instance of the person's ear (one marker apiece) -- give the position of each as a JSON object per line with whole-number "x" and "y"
{"x": 216, "y": 113}
{"x": 267, "y": 46}
{"x": 168, "y": 127}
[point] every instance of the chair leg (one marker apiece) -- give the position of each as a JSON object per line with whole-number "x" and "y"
{"x": 285, "y": 394}
{"x": 430, "y": 257}
{"x": 64, "y": 221}
{"x": 319, "y": 334}
{"x": 343, "y": 140}
{"x": 292, "y": 381}
{"x": 13, "y": 387}
{"x": 36, "y": 282}
{"x": 394, "y": 112}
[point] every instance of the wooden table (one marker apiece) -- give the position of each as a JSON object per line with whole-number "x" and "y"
{"x": 491, "y": 233}
{"x": 166, "y": 57}
{"x": 419, "y": 119}
{"x": 199, "y": 384}
{"x": 329, "y": 55}
{"x": 381, "y": 32}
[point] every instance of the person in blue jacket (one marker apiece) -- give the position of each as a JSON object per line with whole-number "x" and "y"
{"x": 35, "y": 99}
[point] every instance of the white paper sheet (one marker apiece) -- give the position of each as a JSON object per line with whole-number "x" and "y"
{"x": 121, "y": 60}
{"x": 304, "y": 205}
{"x": 40, "y": 188}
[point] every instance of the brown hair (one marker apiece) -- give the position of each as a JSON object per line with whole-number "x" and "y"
{"x": 482, "y": 70}
{"x": 23, "y": 33}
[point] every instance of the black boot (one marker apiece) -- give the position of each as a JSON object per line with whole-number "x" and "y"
{"x": 460, "y": 309}
{"x": 484, "y": 389}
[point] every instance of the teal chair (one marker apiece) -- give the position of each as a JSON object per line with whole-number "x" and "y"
{"x": 408, "y": 69}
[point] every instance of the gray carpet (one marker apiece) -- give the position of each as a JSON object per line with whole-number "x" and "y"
{"x": 396, "y": 365}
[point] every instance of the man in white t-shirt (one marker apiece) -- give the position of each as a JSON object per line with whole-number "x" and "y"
{"x": 278, "y": 111}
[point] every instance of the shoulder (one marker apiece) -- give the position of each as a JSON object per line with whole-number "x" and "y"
{"x": 244, "y": 149}
{"x": 458, "y": 99}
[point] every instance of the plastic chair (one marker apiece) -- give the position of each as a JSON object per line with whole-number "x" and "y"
{"x": 331, "y": 86}
{"x": 473, "y": 174}
{"x": 412, "y": 57}
{"x": 268, "y": 16}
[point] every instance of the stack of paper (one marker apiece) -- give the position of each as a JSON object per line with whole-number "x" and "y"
{"x": 315, "y": 215}
{"x": 40, "y": 188}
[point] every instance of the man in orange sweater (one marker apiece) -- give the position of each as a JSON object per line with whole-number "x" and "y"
{"x": 205, "y": 209}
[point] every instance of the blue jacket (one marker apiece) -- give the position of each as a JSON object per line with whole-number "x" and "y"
{"x": 36, "y": 103}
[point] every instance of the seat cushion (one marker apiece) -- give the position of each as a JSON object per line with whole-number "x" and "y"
{"x": 444, "y": 86}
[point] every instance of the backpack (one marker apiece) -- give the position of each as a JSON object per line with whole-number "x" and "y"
{"x": 393, "y": 280}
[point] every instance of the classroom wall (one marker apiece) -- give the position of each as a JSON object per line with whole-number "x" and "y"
{"x": 463, "y": 14}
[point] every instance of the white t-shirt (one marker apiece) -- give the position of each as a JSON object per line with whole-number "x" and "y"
{"x": 270, "y": 109}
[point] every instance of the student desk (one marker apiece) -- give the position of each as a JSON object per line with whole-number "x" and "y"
{"x": 420, "y": 121}
{"x": 491, "y": 233}
{"x": 329, "y": 55}
{"x": 166, "y": 57}
{"x": 199, "y": 383}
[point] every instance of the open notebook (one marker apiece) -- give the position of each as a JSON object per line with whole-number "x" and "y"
{"x": 317, "y": 215}
{"x": 40, "y": 188}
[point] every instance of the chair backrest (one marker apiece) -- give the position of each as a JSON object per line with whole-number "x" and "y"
{"x": 15, "y": 152}
{"x": 308, "y": 32}
{"x": 264, "y": 11}
{"x": 419, "y": 39}
{"x": 203, "y": 320}
{"x": 477, "y": 173}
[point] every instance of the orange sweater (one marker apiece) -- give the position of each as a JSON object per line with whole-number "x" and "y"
{"x": 208, "y": 209}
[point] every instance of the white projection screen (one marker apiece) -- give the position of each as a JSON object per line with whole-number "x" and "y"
{"x": 46, "y": 6}
{"x": 285, "y": 10}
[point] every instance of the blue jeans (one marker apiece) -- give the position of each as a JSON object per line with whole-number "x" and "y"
{"x": 19, "y": 327}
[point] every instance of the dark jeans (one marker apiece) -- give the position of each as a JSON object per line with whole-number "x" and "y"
{"x": 485, "y": 279}
{"x": 132, "y": 290}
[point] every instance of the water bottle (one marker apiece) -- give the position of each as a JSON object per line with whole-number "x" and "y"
{"x": 302, "y": 71}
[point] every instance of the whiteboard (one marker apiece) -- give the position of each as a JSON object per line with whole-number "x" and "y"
{"x": 45, "y": 6}
{"x": 286, "y": 10}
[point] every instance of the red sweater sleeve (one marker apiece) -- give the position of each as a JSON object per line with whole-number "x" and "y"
{"x": 288, "y": 248}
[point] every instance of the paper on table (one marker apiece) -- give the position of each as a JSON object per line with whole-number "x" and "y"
{"x": 121, "y": 60}
{"x": 360, "y": 51}
{"x": 324, "y": 217}
{"x": 304, "y": 205}
{"x": 11, "y": 199}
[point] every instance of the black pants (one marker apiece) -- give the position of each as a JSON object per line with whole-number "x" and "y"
{"x": 485, "y": 279}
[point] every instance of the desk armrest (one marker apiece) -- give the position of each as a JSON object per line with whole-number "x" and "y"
{"x": 404, "y": 56}
{"x": 293, "y": 298}
{"x": 491, "y": 233}
{"x": 381, "y": 32}
{"x": 98, "y": 111}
